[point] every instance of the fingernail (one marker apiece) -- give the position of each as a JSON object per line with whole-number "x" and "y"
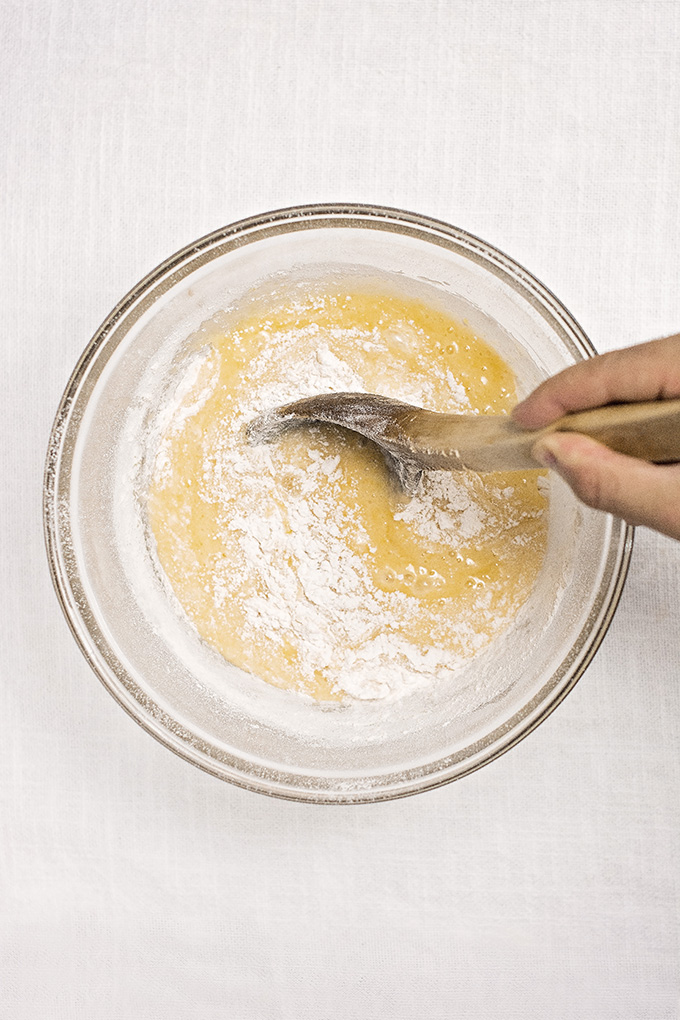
{"x": 544, "y": 455}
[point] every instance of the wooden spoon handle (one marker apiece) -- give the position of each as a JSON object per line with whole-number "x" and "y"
{"x": 649, "y": 431}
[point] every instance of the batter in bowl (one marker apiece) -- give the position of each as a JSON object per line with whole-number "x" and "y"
{"x": 301, "y": 561}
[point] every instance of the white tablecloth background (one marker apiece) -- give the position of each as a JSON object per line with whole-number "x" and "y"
{"x": 133, "y": 885}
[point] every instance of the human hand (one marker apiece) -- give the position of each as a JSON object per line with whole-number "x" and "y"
{"x": 639, "y": 492}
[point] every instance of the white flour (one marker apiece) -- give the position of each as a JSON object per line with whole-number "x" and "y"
{"x": 312, "y": 587}
{"x": 317, "y": 589}
{"x": 299, "y": 569}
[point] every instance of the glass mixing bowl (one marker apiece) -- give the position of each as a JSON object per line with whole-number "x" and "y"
{"x": 232, "y": 724}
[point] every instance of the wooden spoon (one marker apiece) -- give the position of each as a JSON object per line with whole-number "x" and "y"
{"x": 414, "y": 439}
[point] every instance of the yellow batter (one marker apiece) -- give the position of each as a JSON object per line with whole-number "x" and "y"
{"x": 301, "y": 561}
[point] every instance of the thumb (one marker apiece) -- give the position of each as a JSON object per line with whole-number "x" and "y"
{"x": 637, "y": 491}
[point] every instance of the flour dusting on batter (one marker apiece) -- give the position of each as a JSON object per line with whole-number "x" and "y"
{"x": 300, "y": 560}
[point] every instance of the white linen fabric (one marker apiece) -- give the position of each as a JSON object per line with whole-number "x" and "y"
{"x": 135, "y": 886}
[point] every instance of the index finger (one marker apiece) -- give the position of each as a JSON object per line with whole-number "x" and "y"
{"x": 648, "y": 371}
